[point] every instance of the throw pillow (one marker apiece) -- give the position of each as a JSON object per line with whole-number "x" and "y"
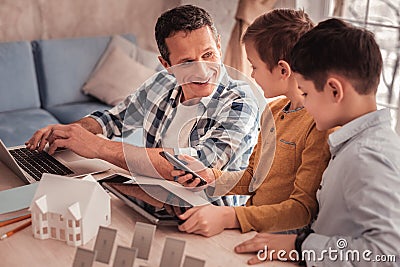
{"x": 148, "y": 58}
{"x": 118, "y": 76}
{"x": 117, "y": 41}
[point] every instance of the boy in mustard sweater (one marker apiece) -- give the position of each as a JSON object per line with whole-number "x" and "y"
{"x": 287, "y": 163}
{"x": 359, "y": 217}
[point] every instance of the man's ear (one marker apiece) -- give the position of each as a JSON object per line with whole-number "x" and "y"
{"x": 284, "y": 69}
{"x": 334, "y": 88}
{"x": 164, "y": 63}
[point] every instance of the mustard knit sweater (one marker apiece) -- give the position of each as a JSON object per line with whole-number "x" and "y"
{"x": 283, "y": 174}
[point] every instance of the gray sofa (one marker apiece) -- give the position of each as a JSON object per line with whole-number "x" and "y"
{"x": 41, "y": 83}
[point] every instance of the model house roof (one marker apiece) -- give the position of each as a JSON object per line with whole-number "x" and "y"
{"x": 62, "y": 195}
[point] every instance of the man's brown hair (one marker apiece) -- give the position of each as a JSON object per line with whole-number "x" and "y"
{"x": 335, "y": 46}
{"x": 186, "y": 18}
{"x": 275, "y": 33}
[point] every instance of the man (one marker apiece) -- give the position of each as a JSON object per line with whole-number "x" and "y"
{"x": 214, "y": 116}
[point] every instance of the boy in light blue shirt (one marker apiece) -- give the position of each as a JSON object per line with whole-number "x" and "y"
{"x": 338, "y": 66}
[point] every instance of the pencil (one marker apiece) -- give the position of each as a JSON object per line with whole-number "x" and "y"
{"x": 13, "y": 220}
{"x": 19, "y": 228}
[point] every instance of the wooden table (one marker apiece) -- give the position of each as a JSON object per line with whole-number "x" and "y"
{"x": 22, "y": 249}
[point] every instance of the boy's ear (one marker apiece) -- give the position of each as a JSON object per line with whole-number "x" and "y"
{"x": 284, "y": 69}
{"x": 334, "y": 88}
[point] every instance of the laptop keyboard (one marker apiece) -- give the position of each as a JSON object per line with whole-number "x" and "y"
{"x": 36, "y": 163}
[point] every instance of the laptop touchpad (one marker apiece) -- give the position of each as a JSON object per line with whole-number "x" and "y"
{"x": 88, "y": 166}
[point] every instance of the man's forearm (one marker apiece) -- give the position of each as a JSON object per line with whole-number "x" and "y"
{"x": 91, "y": 125}
{"x": 139, "y": 160}
{"x": 113, "y": 152}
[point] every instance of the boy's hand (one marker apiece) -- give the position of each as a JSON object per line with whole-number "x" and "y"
{"x": 208, "y": 220}
{"x": 261, "y": 241}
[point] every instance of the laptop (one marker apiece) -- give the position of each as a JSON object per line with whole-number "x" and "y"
{"x": 30, "y": 165}
{"x": 148, "y": 200}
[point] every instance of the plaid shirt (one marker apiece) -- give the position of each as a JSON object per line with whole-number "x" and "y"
{"x": 226, "y": 124}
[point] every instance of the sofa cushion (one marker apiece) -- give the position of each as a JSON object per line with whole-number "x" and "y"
{"x": 18, "y": 86}
{"x": 68, "y": 113}
{"x": 18, "y": 126}
{"x": 64, "y": 65}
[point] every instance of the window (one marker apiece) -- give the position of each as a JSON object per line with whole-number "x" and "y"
{"x": 53, "y": 232}
{"x": 62, "y": 234}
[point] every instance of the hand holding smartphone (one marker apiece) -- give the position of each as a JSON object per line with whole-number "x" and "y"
{"x": 181, "y": 165}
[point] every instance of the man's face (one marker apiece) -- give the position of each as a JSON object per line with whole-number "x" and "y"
{"x": 269, "y": 81}
{"x": 195, "y": 61}
{"x": 318, "y": 104}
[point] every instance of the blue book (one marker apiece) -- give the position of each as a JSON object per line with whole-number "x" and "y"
{"x": 15, "y": 202}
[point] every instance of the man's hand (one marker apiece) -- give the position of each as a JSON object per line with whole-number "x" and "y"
{"x": 208, "y": 220}
{"x": 40, "y": 138}
{"x": 198, "y": 167}
{"x": 270, "y": 241}
{"x": 76, "y": 138}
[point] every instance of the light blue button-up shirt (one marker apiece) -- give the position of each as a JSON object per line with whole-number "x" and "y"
{"x": 359, "y": 197}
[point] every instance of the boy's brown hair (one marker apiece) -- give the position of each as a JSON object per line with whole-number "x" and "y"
{"x": 275, "y": 33}
{"x": 335, "y": 46}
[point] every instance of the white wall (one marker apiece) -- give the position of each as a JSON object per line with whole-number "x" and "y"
{"x": 45, "y": 19}
{"x": 223, "y": 13}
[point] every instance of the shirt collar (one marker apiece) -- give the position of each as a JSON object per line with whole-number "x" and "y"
{"x": 338, "y": 138}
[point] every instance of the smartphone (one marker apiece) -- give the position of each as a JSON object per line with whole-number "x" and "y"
{"x": 181, "y": 165}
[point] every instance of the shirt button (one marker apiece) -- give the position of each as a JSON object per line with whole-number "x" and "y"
{"x": 320, "y": 187}
{"x": 282, "y": 117}
{"x": 272, "y": 129}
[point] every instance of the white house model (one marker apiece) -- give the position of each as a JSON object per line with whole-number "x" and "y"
{"x": 69, "y": 209}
